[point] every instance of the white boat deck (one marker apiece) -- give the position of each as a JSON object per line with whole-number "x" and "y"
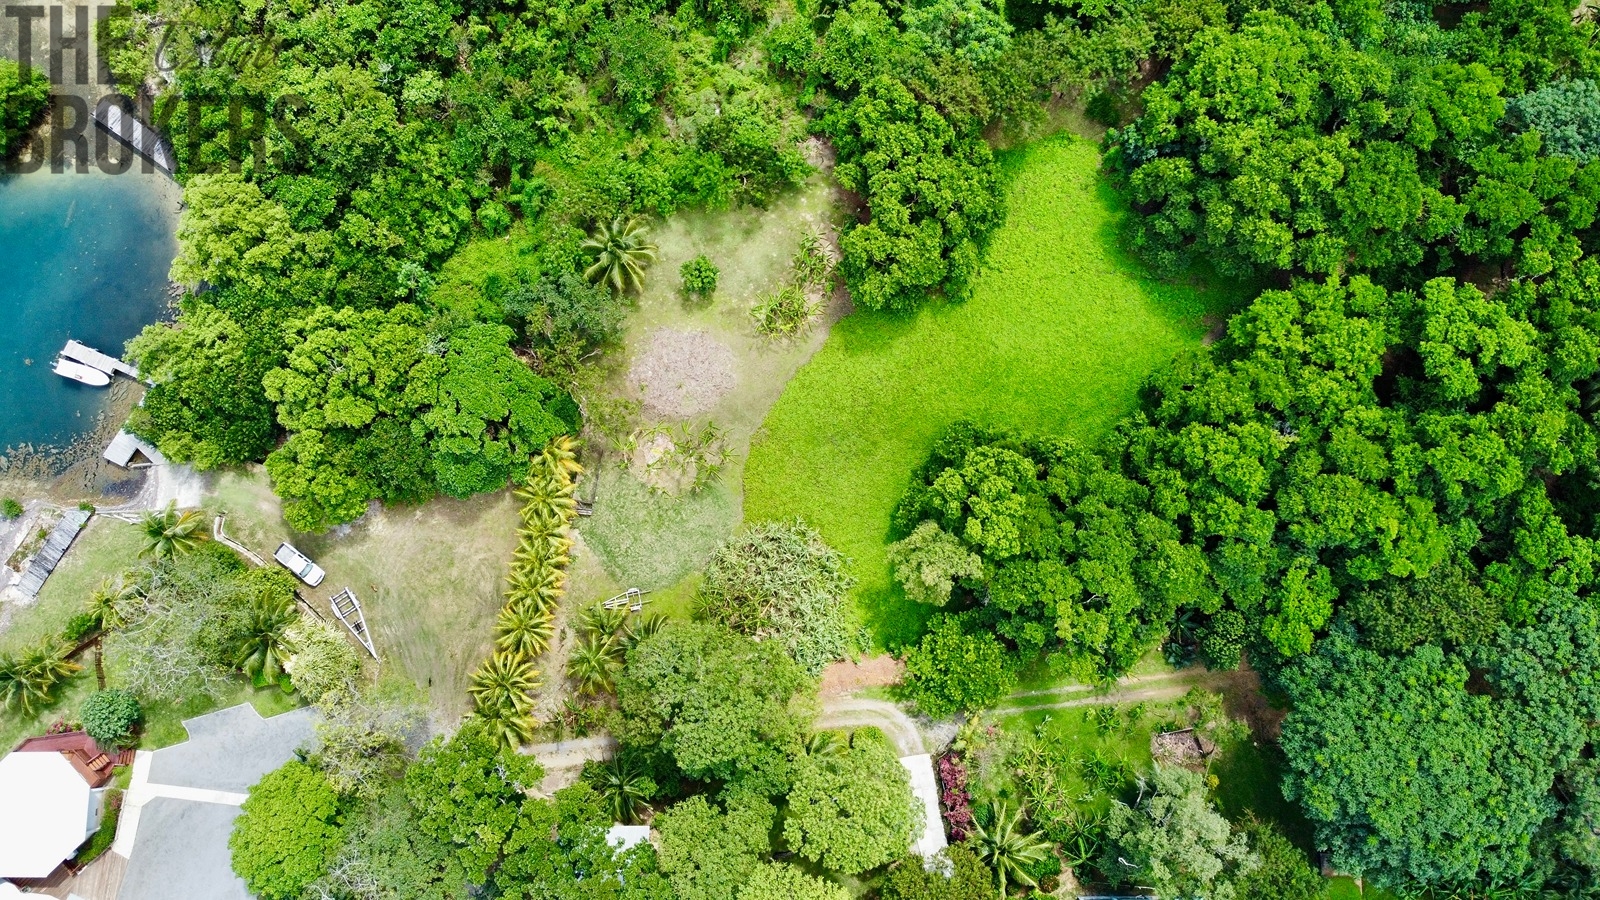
{"x": 94, "y": 359}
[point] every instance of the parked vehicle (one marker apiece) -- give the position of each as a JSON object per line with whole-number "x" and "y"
{"x": 300, "y": 564}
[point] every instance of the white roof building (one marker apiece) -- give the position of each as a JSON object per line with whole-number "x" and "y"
{"x": 925, "y": 788}
{"x": 625, "y": 837}
{"x": 47, "y": 810}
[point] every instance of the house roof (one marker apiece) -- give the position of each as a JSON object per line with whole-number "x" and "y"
{"x": 46, "y": 812}
{"x": 125, "y": 448}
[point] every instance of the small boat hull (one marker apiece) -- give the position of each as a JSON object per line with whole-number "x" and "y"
{"x": 81, "y": 373}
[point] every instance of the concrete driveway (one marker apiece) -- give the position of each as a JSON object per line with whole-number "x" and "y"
{"x": 180, "y": 806}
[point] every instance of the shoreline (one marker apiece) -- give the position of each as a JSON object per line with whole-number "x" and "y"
{"x": 76, "y": 472}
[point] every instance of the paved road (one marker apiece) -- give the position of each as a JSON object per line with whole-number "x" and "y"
{"x": 857, "y": 712}
{"x": 573, "y": 753}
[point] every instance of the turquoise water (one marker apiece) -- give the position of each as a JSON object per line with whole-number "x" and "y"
{"x": 81, "y": 256}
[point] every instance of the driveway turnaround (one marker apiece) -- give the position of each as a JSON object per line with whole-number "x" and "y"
{"x": 180, "y": 806}
{"x": 230, "y": 749}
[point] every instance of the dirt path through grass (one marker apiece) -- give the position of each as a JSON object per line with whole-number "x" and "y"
{"x": 1060, "y": 332}
{"x": 1128, "y": 690}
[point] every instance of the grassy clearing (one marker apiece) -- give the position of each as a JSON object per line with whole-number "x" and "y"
{"x": 1249, "y": 775}
{"x": 106, "y": 547}
{"x": 652, "y": 541}
{"x": 1062, "y": 329}
{"x": 1346, "y": 888}
{"x": 648, "y": 539}
{"x": 429, "y": 577}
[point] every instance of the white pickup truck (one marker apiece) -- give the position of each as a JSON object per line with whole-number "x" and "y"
{"x": 298, "y": 563}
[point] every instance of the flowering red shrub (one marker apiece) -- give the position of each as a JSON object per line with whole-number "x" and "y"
{"x": 954, "y": 801}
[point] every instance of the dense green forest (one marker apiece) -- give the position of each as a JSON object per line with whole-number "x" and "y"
{"x": 401, "y": 132}
{"x": 1381, "y": 482}
{"x": 1379, "y": 485}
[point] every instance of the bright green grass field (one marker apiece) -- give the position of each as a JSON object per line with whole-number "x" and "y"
{"x": 1062, "y": 329}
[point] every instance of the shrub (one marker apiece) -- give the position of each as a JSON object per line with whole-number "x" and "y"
{"x": 1223, "y": 640}
{"x": 955, "y": 800}
{"x": 779, "y": 881}
{"x": 79, "y": 627}
{"x": 784, "y": 313}
{"x": 288, "y": 833}
{"x": 699, "y": 277}
{"x": 780, "y": 580}
{"x": 324, "y": 667}
{"x": 951, "y": 670}
{"x": 110, "y": 717}
{"x": 10, "y": 508}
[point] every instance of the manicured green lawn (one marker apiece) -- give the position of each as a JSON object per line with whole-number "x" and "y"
{"x": 1063, "y": 328}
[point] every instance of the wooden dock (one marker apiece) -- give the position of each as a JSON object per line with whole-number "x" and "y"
{"x": 127, "y": 128}
{"x": 94, "y": 359}
{"x": 55, "y": 547}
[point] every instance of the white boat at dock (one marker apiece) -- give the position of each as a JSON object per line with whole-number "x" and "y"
{"x": 81, "y": 373}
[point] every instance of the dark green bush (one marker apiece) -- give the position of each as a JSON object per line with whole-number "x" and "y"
{"x": 110, "y": 717}
{"x": 10, "y": 508}
{"x": 699, "y": 277}
{"x": 952, "y": 671}
{"x": 1223, "y": 640}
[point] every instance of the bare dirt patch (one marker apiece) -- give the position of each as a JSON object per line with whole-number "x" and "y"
{"x": 846, "y": 677}
{"x": 1243, "y": 699}
{"x": 681, "y": 374}
{"x": 1187, "y": 748}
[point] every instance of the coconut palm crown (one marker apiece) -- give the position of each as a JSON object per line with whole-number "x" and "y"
{"x": 171, "y": 533}
{"x": 621, "y": 251}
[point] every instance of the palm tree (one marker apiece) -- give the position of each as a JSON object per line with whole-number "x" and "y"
{"x": 504, "y": 682}
{"x": 1007, "y": 849}
{"x": 109, "y": 601}
{"x": 508, "y": 727}
{"x": 624, "y": 787}
{"x": 621, "y": 253}
{"x": 593, "y": 663}
{"x": 27, "y": 681}
{"x": 559, "y": 458}
{"x": 171, "y": 533}
{"x": 826, "y": 745}
{"x": 539, "y": 544}
{"x": 523, "y": 629}
{"x": 544, "y": 488}
{"x": 640, "y": 629}
{"x": 264, "y": 644}
{"x": 537, "y": 588}
{"x": 597, "y": 621}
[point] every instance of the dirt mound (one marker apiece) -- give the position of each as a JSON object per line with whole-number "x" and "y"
{"x": 682, "y": 373}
